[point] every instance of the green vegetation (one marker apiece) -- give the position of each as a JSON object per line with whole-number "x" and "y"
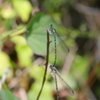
{"x": 23, "y": 46}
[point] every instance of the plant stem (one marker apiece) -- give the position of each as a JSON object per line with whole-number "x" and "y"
{"x": 46, "y": 65}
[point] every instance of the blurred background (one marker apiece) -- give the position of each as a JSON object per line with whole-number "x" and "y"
{"x": 23, "y": 48}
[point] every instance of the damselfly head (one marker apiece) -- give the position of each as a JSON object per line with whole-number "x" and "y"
{"x": 51, "y": 66}
{"x": 48, "y": 30}
{"x": 51, "y": 30}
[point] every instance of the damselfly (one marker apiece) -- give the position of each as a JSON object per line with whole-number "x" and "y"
{"x": 54, "y": 71}
{"x": 55, "y": 74}
{"x": 52, "y": 31}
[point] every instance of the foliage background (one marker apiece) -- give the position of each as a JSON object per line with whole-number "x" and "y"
{"x": 23, "y": 47}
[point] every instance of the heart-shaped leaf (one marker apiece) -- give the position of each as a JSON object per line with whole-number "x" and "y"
{"x": 36, "y": 38}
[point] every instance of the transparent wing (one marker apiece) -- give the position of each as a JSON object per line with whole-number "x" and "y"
{"x": 52, "y": 31}
{"x": 67, "y": 87}
{"x": 60, "y": 49}
{"x": 60, "y": 39}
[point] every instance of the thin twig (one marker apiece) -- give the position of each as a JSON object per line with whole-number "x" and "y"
{"x": 46, "y": 65}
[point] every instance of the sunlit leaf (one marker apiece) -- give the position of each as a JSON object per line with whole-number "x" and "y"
{"x": 23, "y": 8}
{"x": 23, "y": 50}
{"x": 46, "y": 94}
{"x": 4, "y": 62}
{"x": 7, "y": 12}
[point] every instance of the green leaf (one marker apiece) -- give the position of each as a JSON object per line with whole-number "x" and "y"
{"x": 4, "y": 62}
{"x": 23, "y": 8}
{"x": 24, "y": 52}
{"x": 7, "y": 12}
{"x": 36, "y": 70}
{"x": 7, "y": 95}
{"x": 36, "y": 38}
{"x": 46, "y": 93}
